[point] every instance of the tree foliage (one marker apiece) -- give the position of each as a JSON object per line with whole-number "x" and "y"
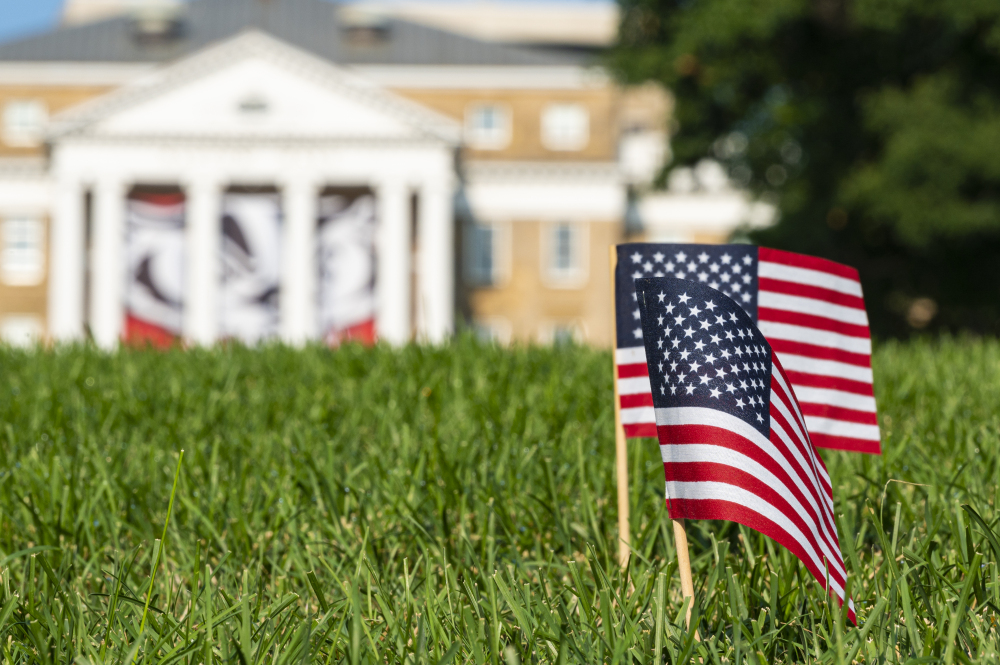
{"x": 875, "y": 125}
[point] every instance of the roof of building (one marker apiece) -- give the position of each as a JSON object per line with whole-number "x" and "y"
{"x": 572, "y": 23}
{"x": 323, "y": 28}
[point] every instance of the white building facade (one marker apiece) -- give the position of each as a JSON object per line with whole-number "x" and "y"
{"x": 297, "y": 170}
{"x": 189, "y": 126}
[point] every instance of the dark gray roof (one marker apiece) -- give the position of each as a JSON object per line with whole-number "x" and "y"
{"x": 313, "y": 25}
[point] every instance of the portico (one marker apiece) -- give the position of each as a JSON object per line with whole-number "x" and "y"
{"x": 353, "y": 135}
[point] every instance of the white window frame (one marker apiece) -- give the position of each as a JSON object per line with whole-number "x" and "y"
{"x": 552, "y": 134}
{"x": 494, "y": 139}
{"x": 22, "y": 265}
{"x": 501, "y": 255}
{"x": 19, "y": 134}
{"x": 576, "y": 274}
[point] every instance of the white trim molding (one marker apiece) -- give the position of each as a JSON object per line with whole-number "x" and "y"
{"x": 457, "y": 77}
{"x": 545, "y": 191}
{"x": 71, "y": 73}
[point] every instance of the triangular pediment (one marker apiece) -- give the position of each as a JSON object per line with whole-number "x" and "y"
{"x": 255, "y": 86}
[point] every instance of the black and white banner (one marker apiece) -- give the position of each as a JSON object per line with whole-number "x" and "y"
{"x": 346, "y": 248}
{"x": 154, "y": 260}
{"x": 251, "y": 266}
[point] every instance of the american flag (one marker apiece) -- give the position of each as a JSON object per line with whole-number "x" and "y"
{"x": 732, "y": 437}
{"x": 811, "y": 310}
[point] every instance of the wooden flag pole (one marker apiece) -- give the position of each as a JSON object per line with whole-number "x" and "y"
{"x": 621, "y": 449}
{"x": 621, "y": 463}
{"x": 684, "y": 564}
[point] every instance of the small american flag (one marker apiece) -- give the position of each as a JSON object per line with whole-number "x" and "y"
{"x": 732, "y": 437}
{"x": 811, "y": 310}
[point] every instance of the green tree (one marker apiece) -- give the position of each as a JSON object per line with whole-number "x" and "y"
{"x": 875, "y": 125}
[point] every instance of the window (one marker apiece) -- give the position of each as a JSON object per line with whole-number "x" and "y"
{"x": 495, "y": 330}
{"x": 24, "y": 122}
{"x": 22, "y": 258}
{"x": 562, "y": 257}
{"x": 480, "y": 254}
{"x": 561, "y": 333}
{"x": 20, "y": 329}
{"x": 565, "y": 127}
{"x": 564, "y": 334}
{"x": 487, "y": 126}
{"x": 565, "y": 255}
{"x": 486, "y": 253}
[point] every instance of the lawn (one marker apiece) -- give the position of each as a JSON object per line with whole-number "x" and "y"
{"x": 456, "y": 504}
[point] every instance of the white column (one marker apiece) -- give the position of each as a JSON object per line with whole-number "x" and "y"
{"x": 392, "y": 281}
{"x": 436, "y": 267}
{"x": 67, "y": 250}
{"x": 203, "y": 236}
{"x": 107, "y": 263}
{"x": 298, "y": 262}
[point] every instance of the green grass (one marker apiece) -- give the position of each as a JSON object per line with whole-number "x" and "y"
{"x": 436, "y": 505}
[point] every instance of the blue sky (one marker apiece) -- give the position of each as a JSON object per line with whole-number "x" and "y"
{"x": 19, "y": 18}
{"x": 26, "y": 17}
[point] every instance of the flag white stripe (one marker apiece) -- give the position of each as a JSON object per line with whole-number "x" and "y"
{"x": 638, "y": 415}
{"x": 810, "y": 474}
{"x": 704, "y": 452}
{"x": 797, "y": 423}
{"x": 807, "y": 465}
{"x": 801, "y": 305}
{"x": 795, "y": 363}
{"x": 715, "y": 491}
{"x": 780, "y": 460}
{"x": 842, "y": 428}
{"x": 793, "y": 401}
{"x": 824, "y": 280}
{"x": 800, "y": 420}
{"x": 637, "y": 385}
{"x": 814, "y": 470}
{"x": 692, "y": 415}
{"x": 837, "y": 398}
{"x": 632, "y": 355}
{"x": 832, "y": 340}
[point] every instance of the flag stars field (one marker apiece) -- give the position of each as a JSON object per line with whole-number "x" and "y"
{"x": 700, "y": 360}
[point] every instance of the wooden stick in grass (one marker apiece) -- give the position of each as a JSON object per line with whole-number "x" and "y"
{"x": 621, "y": 463}
{"x": 684, "y": 565}
{"x": 621, "y": 448}
{"x": 160, "y": 544}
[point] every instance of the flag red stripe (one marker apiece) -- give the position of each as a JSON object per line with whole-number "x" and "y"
{"x": 778, "y": 381}
{"x": 809, "y": 291}
{"x": 640, "y": 430}
{"x": 811, "y": 321}
{"x": 779, "y": 396}
{"x": 725, "y": 473}
{"x": 632, "y": 371}
{"x": 821, "y": 352}
{"x": 710, "y": 509}
{"x": 832, "y": 382}
{"x": 703, "y": 433}
{"x": 838, "y": 413}
{"x": 845, "y": 443}
{"x": 722, "y": 473}
{"x": 632, "y": 401}
{"x": 809, "y": 262}
{"x": 820, "y": 487}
